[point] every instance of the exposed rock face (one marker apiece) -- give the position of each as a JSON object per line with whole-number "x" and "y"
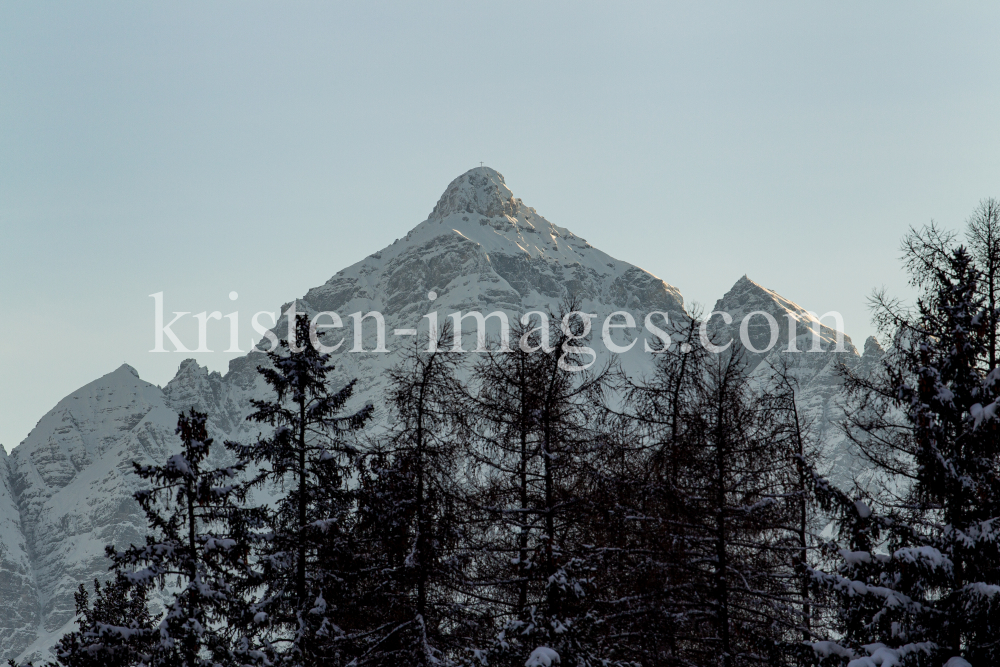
{"x": 746, "y": 298}
{"x": 813, "y": 360}
{"x": 17, "y": 576}
{"x": 66, "y": 491}
{"x": 72, "y": 480}
{"x": 482, "y": 248}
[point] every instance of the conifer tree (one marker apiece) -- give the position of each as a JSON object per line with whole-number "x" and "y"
{"x": 919, "y": 578}
{"x": 742, "y": 485}
{"x": 306, "y": 560}
{"x": 193, "y": 555}
{"x": 739, "y": 508}
{"x": 192, "y": 552}
{"x": 647, "y": 496}
{"x": 535, "y": 441}
{"x": 115, "y": 628}
{"x": 407, "y": 522}
{"x": 713, "y": 548}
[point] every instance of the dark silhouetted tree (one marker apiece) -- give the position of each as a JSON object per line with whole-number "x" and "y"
{"x": 919, "y": 579}
{"x": 408, "y": 522}
{"x": 306, "y": 562}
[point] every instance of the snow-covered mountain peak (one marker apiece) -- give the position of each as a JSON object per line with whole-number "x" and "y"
{"x": 123, "y": 370}
{"x": 479, "y": 207}
{"x": 747, "y": 296}
{"x": 483, "y": 248}
{"x": 872, "y": 347}
{"x": 72, "y": 480}
{"x": 92, "y": 411}
{"x": 479, "y": 191}
{"x": 750, "y": 304}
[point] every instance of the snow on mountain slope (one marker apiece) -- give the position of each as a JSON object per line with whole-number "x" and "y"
{"x": 480, "y": 249}
{"x": 816, "y": 372}
{"x": 72, "y": 478}
{"x": 226, "y": 399}
{"x": 17, "y": 578}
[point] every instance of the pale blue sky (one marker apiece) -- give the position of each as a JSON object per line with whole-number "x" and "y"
{"x": 199, "y": 148}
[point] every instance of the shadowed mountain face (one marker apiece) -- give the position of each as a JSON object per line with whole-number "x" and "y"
{"x": 66, "y": 491}
{"x": 810, "y": 350}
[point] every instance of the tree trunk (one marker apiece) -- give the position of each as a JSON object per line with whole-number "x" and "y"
{"x": 300, "y": 575}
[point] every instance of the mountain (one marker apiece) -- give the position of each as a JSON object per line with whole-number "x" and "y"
{"x": 66, "y": 490}
{"x": 72, "y": 482}
{"x": 18, "y": 590}
{"x": 814, "y": 366}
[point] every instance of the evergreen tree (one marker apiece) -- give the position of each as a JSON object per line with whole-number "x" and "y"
{"x": 192, "y": 550}
{"x": 116, "y": 629}
{"x": 919, "y": 579}
{"x": 306, "y": 562}
{"x": 192, "y": 554}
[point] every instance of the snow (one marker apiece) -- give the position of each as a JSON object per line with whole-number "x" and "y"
{"x": 179, "y": 463}
{"x": 982, "y": 589}
{"x": 17, "y": 581}
{"x": 819, "y": 384}
{"x": 981, "y": 414}
{"x": 75, "y": 480}
{"x": 926, "y": 555}
{"x": 855, "y": 557}
{"x": 542, "y": 657}
{"x": 862, "y": 508}
{"x": 213, "y": 543}
{"x": 880, "y": 655}
{"x": 828, "y": 649}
